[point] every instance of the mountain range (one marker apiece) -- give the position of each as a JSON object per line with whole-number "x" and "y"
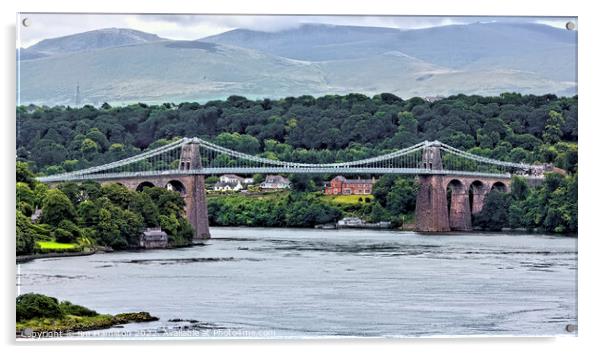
{"x": 124, "y": 66}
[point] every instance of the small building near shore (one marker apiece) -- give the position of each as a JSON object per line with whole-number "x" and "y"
{"x": 350, "y": 221}
{"x": 354, "y": 222}
{"x": 153, "y": 238}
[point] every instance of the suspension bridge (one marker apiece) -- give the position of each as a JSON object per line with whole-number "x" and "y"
{"x": 182, "y": 165}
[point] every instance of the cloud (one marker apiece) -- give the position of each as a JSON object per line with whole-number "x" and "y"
{"x": 190, "y": 27}
{"x": 43, "y": 26}
{"x": 271, "y": 23}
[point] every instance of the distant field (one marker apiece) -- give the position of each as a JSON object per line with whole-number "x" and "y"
{"x": 52, "y": 245}
{"x": 348, "y": 199}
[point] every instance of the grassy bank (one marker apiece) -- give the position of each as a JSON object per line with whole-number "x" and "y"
{"x": 71, "y": 323}
{"x": 40, "y": 313}
{"x": 348, "y": 199}
{"x": 56, "y": 246}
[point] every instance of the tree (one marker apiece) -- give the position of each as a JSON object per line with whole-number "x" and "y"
{"x": 239, "y": 142}
{"x": 47, "y": 152}
{"x": 99, "y": 138}
{"x": 561, "y": 215}
{"x": 519, "y": 188}
{"x": 210, "y": 180}
{"x": 89, "y": 148}
{"x": 71, "y": 228}
{"x": 39, "y": 192}
{"x": 302, "y": 183}
{"x": 70, "y": 165}
{"x": 257, "y": 178}
{"x": 118, "y": 194}
{"x": 33, "y": 305}
{"x": 25, "y": 196}
{"x": 401, "y": 199}
{"x": 25, "y": 235}
{"x": 551, "y": 207}
{"x": 117, "y": 152}
{"x": 382, "y": 187}
{"x": 76, "y": 310}
{"x": 24, "y": 175}
{"x": 63, "y": 236}
{"x": 72, "y": 191}
{"x": 494, "y": 215}
{"x": 552, "y": 131}
{"x": 390, "y": 98}
{"x": 57, "y": 207}
{"x": 567, "y": 156}
{"x": 378, "y": 213}
{"x": 518, "y": 154}
{"x": 88, "y": 212}
{"x": 143, "y": 204}
{"x": 107, "y": 230}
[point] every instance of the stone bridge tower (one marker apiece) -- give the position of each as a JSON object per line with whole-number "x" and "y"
{"x": 431, "y": 201}
{"x": 195, "y": 198}
{"x": 466, "y": 195}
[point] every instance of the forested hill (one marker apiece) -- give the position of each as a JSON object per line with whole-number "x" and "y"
{"x": 306, "y": 129}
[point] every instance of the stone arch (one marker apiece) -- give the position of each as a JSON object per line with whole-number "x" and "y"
{"x": 453, "y": 187}
{"x": 476, "y": 196}
{"x": 176, "y": 186}
{"x": 458, "y": 206}
{"x": 143, "y": 185}
{"x": 500, "y": 186}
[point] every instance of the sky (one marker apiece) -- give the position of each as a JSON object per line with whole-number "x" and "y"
{"x": 190, "y": 27}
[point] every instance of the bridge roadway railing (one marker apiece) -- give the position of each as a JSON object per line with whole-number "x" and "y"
{"x": 265, "y": 170}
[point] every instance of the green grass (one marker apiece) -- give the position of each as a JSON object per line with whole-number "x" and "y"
{"x": 270, "y": 195}
{"x": 53, "y": 245}
{"x": 348, "y": 199}
{"x": 82, "y": 323}
{"x": 67, "y": 323}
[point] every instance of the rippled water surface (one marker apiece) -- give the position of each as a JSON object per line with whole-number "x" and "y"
{"x": 295, "y": 283}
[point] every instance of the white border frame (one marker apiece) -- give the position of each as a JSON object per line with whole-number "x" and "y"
{"x": 589, "y": 124}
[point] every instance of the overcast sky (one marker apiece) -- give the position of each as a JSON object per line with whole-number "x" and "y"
{"x": 188, "y": 27}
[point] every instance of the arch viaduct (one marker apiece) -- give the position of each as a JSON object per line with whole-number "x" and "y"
{"x": 449, "y": 194}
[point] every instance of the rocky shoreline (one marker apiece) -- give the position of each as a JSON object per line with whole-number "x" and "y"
{"x": 98, "y": 249}
{"x": 30, "y": 257}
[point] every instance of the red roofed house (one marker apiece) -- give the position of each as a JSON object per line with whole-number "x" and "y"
{"x": 342, "y": 185}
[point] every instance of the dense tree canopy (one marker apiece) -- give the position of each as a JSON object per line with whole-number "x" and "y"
{"x": 551, "y": 207}
{"x": 108, "y": 215}
{"x": 32, "y": 305}
{"x": 305, "y": 129}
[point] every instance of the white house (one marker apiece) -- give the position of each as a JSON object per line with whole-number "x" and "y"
{"x": 227, "y": 186}
{"x": 275, "y": 182}
{"x": 231, "y": 178}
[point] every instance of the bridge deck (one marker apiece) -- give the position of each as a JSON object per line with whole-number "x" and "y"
{"x": 268, "y": 170}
